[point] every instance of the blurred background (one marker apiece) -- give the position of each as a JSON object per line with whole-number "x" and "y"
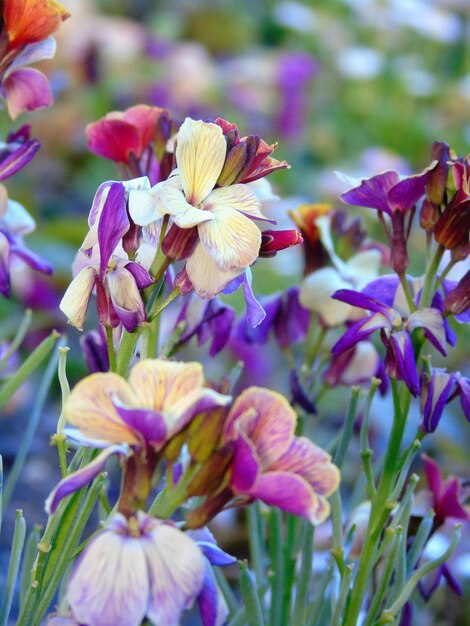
{"x": 358, "y": 86}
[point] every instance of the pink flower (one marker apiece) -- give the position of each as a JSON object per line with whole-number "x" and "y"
{"x": 271, "y": 463}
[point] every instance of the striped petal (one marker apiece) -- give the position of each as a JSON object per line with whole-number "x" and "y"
{"x": 74, "y": 304}
{"x": 90, "y": 408}
{"x": 110, "y": 584}
{"x": 231, "y": 239}
{"x": 267, "y": 419}
{"x": 126, "y": 298}
{"x": 206, "y": 277}
{"x": 200, "y": 157}
{"x": 159, "y": 384}
{"x": 176, "y": 570}
{"x": 239, "y": 197}
{"x": 172, "y": 202}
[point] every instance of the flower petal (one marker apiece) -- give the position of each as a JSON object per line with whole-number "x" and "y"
{"x": 315, "y": 295}
{"x": 176, "y": 570}
{"x": 90, "y": 408}
{"x": 239, "y": 197}
{"x": 373, "y": 192}
{"x": 75, "y": 301}
{"x": 110, "y": 584}
{"x": 126, "y": 298}
{"x": 312, "y": 463}
{"x": 77, "y": 480}
{"x": 359, "y": 331}
{"x": 200, "y": 157}
{"x": 171, "y": 201}
{"x": 291, "y": 493}
{"x": 27, "y": 89}
{"x": 231, "y": 239}
{"x": 207, "y": 279}
{"x": 432, "y": 322}
{"x": 267, "y": 419}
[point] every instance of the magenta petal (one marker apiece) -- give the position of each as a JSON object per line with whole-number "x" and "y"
{"x": 27, "y": 89}
{"x": 113, "y": 223}
{"x": 373, "y": 192}
{"x": 150, "y": 424}
{"x": 245, "y": 465}
{"x": 449, "y": 505}
{"x": 82, "y": 477}
{"x": 290, "y": 493}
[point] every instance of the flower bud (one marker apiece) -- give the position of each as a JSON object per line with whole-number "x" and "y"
{"x": 452, "y": 227}
{"x": 458, "y": 300}
{"x": 436, "y": 189}
{"x": 178, "y": 243}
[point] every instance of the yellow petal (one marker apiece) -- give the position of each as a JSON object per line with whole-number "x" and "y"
{"x": 206, "y": 278}
{"x": 231, "y": 239}
{"x": 239, "y": 197}
{"x": 159, "y": 384}
{"x": 75, "y": 301}
{"x": 90, "y": 408}
{"x": 200, "y": 156}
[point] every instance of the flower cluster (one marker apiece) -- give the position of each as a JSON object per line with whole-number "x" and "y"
{"x": 234, "y": 454}
{"x": 203, "y": 209}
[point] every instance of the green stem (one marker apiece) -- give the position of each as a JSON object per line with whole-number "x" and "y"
{"x": 291, "y": 549}
{"x": 110, "y": 344}
{"x": 343, "y": 594}
{"x": 381, "y": 508}
{"x": 389, "y": 614}
{"x": 27, "y": 368}
{"x": 431, "y": 271}
{"x": 31, "y": 429}
{"x": 348, "y": 428}
{"x": 253, "y": 609}
{"x": 407, "y": 292}
{"x": 277, "y": 566}
{"x": 365, "y": 450}
{"x": 227, "y": 592}
{"x": 126, "y": 350}
{"x": 20, "y": 335}
{"x": 314, "y": 343}
{"x": 158, "y": 308}
{"x": 304, "y": 578}
{"x": 13, "y": 566}
{"x": 255, "y": 541}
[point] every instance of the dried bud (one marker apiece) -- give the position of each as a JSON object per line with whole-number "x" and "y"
{"x": 274, "y": 240}
{"x": 212, "y": 474}
{"x": 436, "y": 189}
{"x": 399, "y": 254}
{"x": 234, "y": 162}
{"x": 178, "y": 243}
{"x": 428, "y": 216}
{"x": 453, "y": 226}
{"x": 458, "y": 300}
{"x": 204, "y": 434}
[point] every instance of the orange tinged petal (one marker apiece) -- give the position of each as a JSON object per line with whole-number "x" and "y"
{"x": 30, "y": 21}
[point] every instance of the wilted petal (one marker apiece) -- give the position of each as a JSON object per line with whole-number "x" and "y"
{"x": 176, "y": 570}
{"x": 267, "y": 419}
{"x": 312, "y": 463}
{"x": 74, "y": 304}
{"x": 200, "y": 157}
{"x": 291, "y": 493}
{"x": 90, "y": 408}
{"x": 207, "y": 279}
{"x": 110, "y": 584}
{"x": 82, "y": 477}
{"x": 27, "y": 89}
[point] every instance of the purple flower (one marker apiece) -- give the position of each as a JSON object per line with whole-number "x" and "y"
{"x": 435, "y": 393}
{"x": 395, "y": 334}
{"x": 396, "y": 196}
{"x": 207, "y": 320}
{"x": 356, "y": 366}
{"x": 135, "y": 568}
{"x": 284, "y": 316}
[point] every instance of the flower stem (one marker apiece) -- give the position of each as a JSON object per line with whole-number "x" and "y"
{"x": 20, "y": 335}
{"x": 431, "y": 271}
{"x": 111, "y": 353}
{"x": 126, "y": 350}
{"x": 13, "y": 566}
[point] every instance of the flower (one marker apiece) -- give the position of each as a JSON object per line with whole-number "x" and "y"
{"x": 116, "y": 279}
{"x": 446, "y": 496}
{"x": 396, "y": 196}
{"x": 272, "y": 464}
{"x": 135, "y": 568}
{"x": 227, "y": 239}
{"x": 356, "y": 366}
{"x": 158, "y": 401}
{"x": 27, "y": 29}
{"x": 137, "y": 138}
{"x": 395, "y": 334}
{"x": 435, "y": 393}
{"x": 31, "y": 21}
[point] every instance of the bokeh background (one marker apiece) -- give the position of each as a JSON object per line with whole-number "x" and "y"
{"x": 352, "y": 85}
